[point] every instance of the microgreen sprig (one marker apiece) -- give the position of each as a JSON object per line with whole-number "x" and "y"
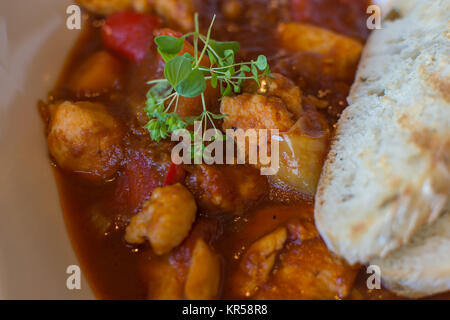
{"x": 186, "y": 76}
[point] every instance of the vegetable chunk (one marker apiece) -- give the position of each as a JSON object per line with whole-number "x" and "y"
{"x": 129, "y": 34}
{"x": 302, "y": 153}
{"x": 343, "y": 52}
{"x": 84, "y": 138}
{"x": 97, "y": 74}
{"x": 203, "y": 278}
{"x": 165, "y": 219}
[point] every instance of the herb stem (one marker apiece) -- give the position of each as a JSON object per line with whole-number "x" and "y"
{"x": 206, "y": 43}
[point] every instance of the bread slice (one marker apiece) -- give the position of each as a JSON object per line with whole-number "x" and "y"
{"x": 388, "y": 170}
{"x": 422, "y": 267}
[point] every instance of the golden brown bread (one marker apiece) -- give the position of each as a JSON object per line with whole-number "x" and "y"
{"x": 388, "y": 172}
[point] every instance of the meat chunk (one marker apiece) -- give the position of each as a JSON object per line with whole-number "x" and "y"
{"x": 97, "y": 74}
{"x": 107, "y": 7}
{"x": 165, "y": 219}
{"x": 277, "y": 85}
{"x": 255, "y": 111}
{"x": 178, "y": 13}
{"x": 203, "y": 278}
{"x": 343, "y": 52}
{"x": 302, "y": 230}
{"x": 258, "y": 262}
{"x": 266, "y": 108}
{"x": 84, "y": 138}
{"x": 226, "y": 189}
{"x": 309, "y": 271}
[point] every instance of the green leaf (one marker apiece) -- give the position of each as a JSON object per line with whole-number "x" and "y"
{"x": 212, "y": 58}
{"x": 255, "y": 73}
{"x": 167, "y": 56}
{"x": 160, "y": 90}
{"x": 177, "y": 69}
{"x": 229, "y": 56}
{"x": 169, "y": 47}
{"x": 221, "y": 46}
{"x": 156, "y": 96}
{"x": 169, "y": 44}
{"x": 227, "y": 91}
{"x": 193, "y": 85}
{"x": 245, "y": 68}
{"x": 214, "y": 80}
{"x": 261, "y": 62}
{"x": 189, "y": 56}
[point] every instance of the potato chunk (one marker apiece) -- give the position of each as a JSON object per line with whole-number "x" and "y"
{"x": 344, "y": 52}
{"x": 258, "y": 261}
{"x": 107, "y": 7}
{"x": 165, "y": 219}
{"x": 98, "y": 73}
{"x": 302, "y": 151}
{"x": 203, "y": 278}
{"x": 178, "y": 13}
{"x": 84, "y": 138}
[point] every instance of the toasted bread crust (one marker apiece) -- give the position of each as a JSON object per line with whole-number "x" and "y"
{"x": 388, "y": 172}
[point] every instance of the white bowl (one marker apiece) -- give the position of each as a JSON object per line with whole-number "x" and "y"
{"x": 35, "y": 250}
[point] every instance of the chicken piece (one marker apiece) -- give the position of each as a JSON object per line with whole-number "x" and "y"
{"x": 84, "y": 138}
{"x": 203, "y": 278}
{"x": 226, "y": 189}
{"x": 165, "y": 219}
{"x": 258, "y": 262}
{"x": 277, "y": 85}
{"x": 343, "y": 52}
{"x": 302, "y": 151}
{"x": 303, "y": 230}
{"x": 255, "y": 111}
{"x": 309, "y": 271}
{"x": 107, "y": 7}
{"x": 178, "y": 13}
{"x": 97, "y": 74}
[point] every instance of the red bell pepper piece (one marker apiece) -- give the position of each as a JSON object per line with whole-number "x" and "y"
{"x": 175, "y": 174}
{"x": 130, "y": 34}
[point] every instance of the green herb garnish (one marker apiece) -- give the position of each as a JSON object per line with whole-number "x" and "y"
{"x": 185, "y": 76}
